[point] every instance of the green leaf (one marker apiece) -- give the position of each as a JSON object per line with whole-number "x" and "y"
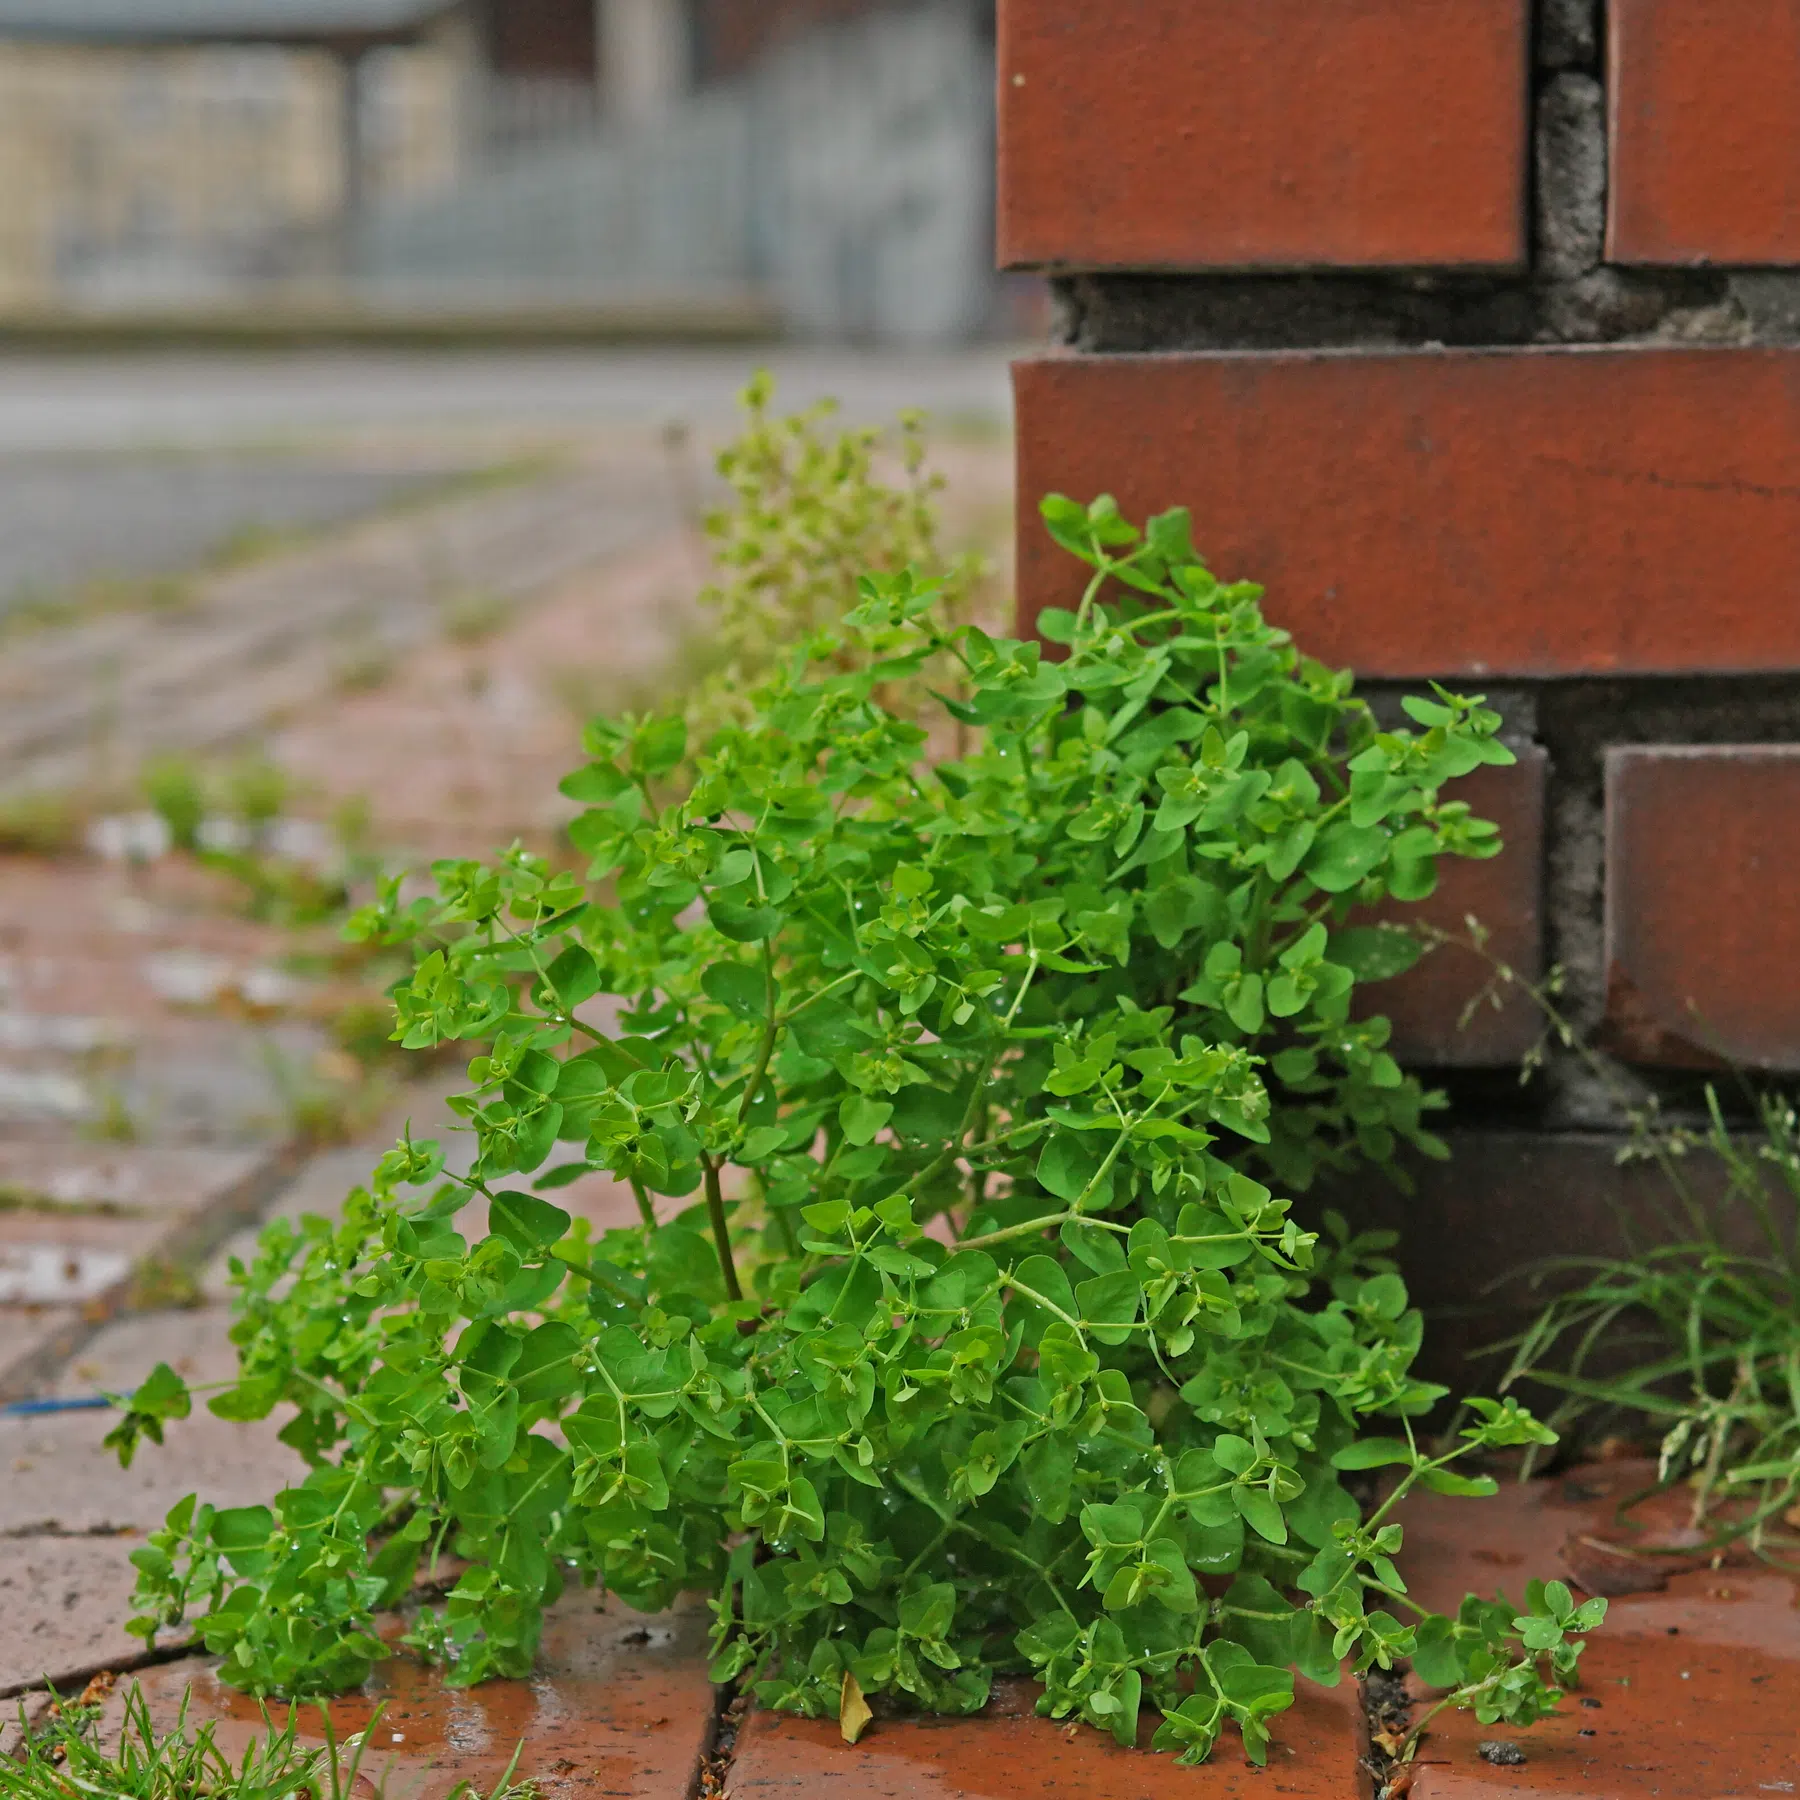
{"x": 162, "y": 1395}
{"x": 526, "y": 1222}
{"x": 596, "y": 785}
{"x": 741, "y": 989}
{"x": 253, "y": 1399}
{"x": 1373, "y": 1453}
{"x": 1068, "y": 1164}
{"x": 659, "y": 745}
{"x": 1376, "y": 952}
{"x": 1442, "y": 1481}
{"x": 1343, "y": 855}
{"x": 744, "y": 924}
{"x": 574, "y": 977}
{"x": 1260, "y": 1512}
{"x": 863, "y": 1118}
{"x": 1109, "y": 1305}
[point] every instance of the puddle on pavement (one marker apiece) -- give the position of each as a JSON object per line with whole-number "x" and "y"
{"x": 621, "y": 1706}
{"x": 32, "y": 1094}
{"x": 187, "y": 977}
{"x": 58, "y": 1034}
{"x": 193, "y": 978}
{"x": 57, "y": 1275}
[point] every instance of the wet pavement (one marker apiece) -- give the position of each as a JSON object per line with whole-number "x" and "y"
{"x": 70, "y": 521}
{"x": 50, "y": 403}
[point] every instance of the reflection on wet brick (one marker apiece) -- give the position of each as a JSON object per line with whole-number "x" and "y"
{"x": 1689, "y": 1691}
{"x": 1008, "y": 1753}
{"x": 620, "y": 1706}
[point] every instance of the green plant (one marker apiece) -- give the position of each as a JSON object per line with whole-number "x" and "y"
{"x": 50, "y": 823}
{"x": 177, "y": 794}
{"x": 161, "y": 1284}
{"x": 472, "y": 614}
{"x": 810, "y": 517}
{"x": 1697, "y": 1334}
{"x": 984, "y": 1342}
{"x": 69, "y": 1756}
{"x": 257, "y": 791}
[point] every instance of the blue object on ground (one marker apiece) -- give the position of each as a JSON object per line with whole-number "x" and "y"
{"x": 20, "y": 1409}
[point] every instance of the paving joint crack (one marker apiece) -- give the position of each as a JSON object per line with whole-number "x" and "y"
{"x": 189, "y": 1240}
{"x": 76, "y": 1679}
{"x": 51, "y": 1528}
{"x": 712, "y": 1777}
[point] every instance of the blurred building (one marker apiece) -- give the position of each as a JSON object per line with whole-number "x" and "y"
{"x": 826, "y": 158}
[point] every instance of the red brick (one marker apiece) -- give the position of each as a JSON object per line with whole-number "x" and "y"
{"x": 1504, "y": 895}
{"x": 1697, "y": 1683}
{"x": 63, "y": 1606}
{"x": 1460, "y": 513}
{"x": 1473, "y": 1228}
{"x": 1703, "y": 101}
{"x": 1703, "y": 905}
{"x": 1008, "y": 1753}
{"x": 1262, "y": 133}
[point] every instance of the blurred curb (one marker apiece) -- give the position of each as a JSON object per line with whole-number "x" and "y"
{"x": 677, "y": 322}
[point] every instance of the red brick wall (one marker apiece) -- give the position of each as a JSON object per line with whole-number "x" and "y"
{"x": 1474, "y": 332}
{"x": 1215, "y": 133}
{"x": 731, "y": 34}
{"x": 542, "y": 38}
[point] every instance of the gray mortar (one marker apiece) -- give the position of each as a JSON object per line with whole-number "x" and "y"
{"x": 1571, "y": 177}
{"x": 1101, "y": 314}
{"x": 1568, "y": 35}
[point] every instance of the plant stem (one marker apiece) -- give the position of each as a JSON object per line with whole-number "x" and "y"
{"x": 766, "y": 1050}
{"x": 598, "y": 1280}
{"x": 715, "y": 1209}
{"x": 645, "y": 1210}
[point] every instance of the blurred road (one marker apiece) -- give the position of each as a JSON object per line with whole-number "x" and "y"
{"x": 52, "y": 403}
{"x": 68, "y": 518}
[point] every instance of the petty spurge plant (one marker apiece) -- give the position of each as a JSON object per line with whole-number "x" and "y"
{"x": 965, "y": 1329}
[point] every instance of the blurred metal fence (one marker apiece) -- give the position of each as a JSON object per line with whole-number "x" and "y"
{"x": 847, "y": 178}
{"x": 656, "y": 212}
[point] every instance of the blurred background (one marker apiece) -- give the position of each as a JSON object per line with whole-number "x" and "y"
{"x": 822, "y": 167}
{"x": 365, "y": 367}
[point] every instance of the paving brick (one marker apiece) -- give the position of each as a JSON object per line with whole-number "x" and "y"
{"x": 1689, "y": 1690}
{"x": 1462, "y": 514}
{"x": 262, "y": 640}
{"x": 1703, "y": 100}
{"x": 1259, "y": 133}
{"x": 620, "y": 1705}
{"x": 1703, "y": 905}
{"x": 56, "y": 1477}
{"x": 63, "y": 1606}
{"x": 36, "y": 1338}
{"x": 1504, "y": 894}
{"x": 1008, "y": 1753}
{"x": 113, "y": 1181}
{"x": 64, "y": 1273}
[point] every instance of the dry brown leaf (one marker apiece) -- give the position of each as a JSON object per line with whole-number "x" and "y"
{"x": 853, "y": 1709}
